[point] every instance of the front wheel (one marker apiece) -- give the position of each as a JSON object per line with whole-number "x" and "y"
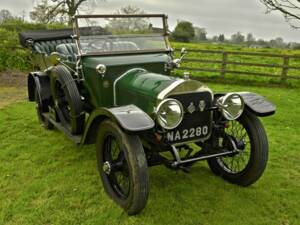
{"x": 123, "y": 167}
{"x": 247, "y": 166}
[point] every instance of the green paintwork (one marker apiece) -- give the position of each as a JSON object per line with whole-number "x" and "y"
{"x": 100, "y": 89}
{"x": 141, "y": 89}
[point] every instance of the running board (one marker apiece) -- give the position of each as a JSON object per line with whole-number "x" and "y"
{"x": 75, "y": 138}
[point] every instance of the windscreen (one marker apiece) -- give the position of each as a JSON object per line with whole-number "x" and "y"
{"x": 121, "y": 34}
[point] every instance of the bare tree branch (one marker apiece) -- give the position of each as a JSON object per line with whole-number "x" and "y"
{"x": 79, "y": 3}
{"x": 66, "y": 9}
{"x": 55, "y": 7}
{"x": 289, "y": 8}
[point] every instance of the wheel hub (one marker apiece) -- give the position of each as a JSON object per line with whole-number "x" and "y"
{"x": 106, "y": 168}
{"x": 241, "y": 144}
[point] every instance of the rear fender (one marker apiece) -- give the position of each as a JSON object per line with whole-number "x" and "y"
{"x": 41, "y": 81}
{"x": 130, "y": 118}
{"x": 255, "y": 103}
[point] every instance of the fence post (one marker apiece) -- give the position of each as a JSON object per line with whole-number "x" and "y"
{"x": 285, "y": 68}
{"x": 224, "y": 63}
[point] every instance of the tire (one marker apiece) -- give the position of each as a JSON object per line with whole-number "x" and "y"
{"x": 42, "y": 107}
{"x": 68, "y": 101}
{"x": 257, "y": 158}
{"x": 130, "y": 163}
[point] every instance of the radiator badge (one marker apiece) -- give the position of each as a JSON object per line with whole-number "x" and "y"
{"x": 202, "y": 105}
{"x": 191, "y": 109}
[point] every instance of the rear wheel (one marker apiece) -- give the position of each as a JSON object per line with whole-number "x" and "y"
{"x": 42, "y": 107}
{"x": 68, "y": 101}
{"x": 246, "y": 166}
{"x": 123, "y": 167}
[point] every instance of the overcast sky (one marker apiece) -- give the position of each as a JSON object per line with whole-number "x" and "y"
{"x": 217, "y": 16}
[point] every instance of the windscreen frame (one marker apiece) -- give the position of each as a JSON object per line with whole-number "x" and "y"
{"x": 165, "y": 34}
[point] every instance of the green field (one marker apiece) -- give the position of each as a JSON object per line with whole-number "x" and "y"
{"x": 243, "y": 59}
{"x": 45, "y": 179}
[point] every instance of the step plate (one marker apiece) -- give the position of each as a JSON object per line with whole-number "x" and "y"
{"x": 75, "y": 138}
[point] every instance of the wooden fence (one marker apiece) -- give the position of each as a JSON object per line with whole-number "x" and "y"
{"x": 224, "y": 61}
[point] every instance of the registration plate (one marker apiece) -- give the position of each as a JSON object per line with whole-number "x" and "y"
{"x": 187, "y": 134}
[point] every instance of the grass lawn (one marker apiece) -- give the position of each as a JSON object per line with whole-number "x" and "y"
{"x": 46, "y": 179}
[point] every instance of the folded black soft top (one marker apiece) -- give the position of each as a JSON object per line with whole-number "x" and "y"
{"x": 44, "y": 35}
{"x": 49, "y": 35}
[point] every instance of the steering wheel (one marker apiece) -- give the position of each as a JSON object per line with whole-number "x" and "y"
{"x": 107, "y": 45}
{"x": 100, "y": 45}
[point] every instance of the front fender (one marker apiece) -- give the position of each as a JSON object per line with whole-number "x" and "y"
{"x": 130, "y": 118}
{"x": 255, "y": 103}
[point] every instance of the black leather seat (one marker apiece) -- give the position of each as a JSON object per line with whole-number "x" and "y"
{"x": 47, "y": 47}
{"x": 69, "y": 51}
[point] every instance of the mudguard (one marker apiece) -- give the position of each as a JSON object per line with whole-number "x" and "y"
{"x": 256, "y": 104}
{"x": 41, "y": 81}
{"x": 130, "y": 118}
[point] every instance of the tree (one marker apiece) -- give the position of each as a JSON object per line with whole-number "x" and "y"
{"x": 215, "y": 38}
{"x": 250, "y": 39}
{"x": 130, "y": 10}
{"x": 5, "y": 15}
{"x": 280, "y": 42}
{"x": 49, "y": 10}
{"x": 289, "y": 8}
{"x": 263, "y": 43}
{"x": 294, "y": 46}
{"x": 221, "y": 38}
{"x": 200, "y": 34}
{"x": 184, "y": 31}
{"x": 277, "y": 43}
{"x": 44, "y": 12}
{"x": 237, "y": 38}
{"x": 122, "y": 25}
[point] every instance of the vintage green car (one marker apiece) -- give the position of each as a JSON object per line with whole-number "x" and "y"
{"x": 108, "y": 81}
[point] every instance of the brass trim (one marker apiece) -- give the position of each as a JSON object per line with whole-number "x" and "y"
{"x": 168, "y": 89}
